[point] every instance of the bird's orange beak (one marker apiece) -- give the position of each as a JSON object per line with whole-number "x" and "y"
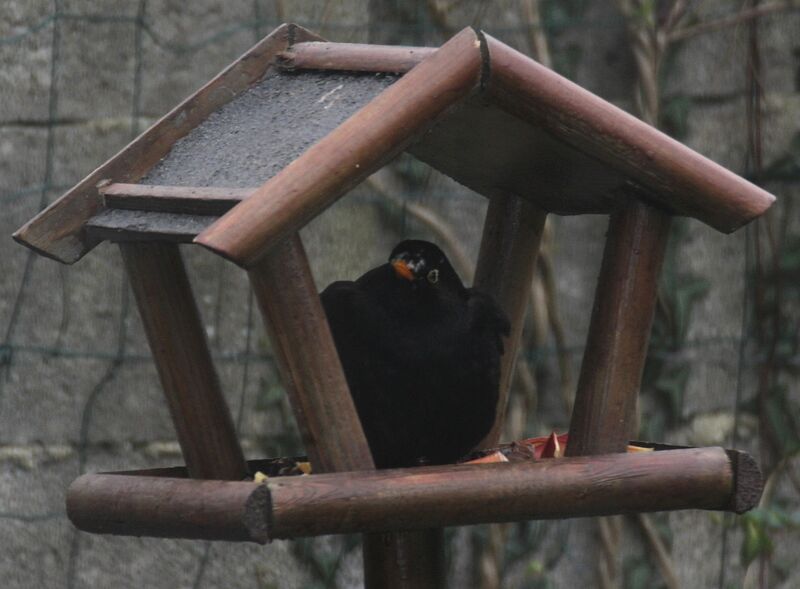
{"x": 402, "y": 269}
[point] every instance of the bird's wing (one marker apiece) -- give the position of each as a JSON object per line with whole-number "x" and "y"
{"x": 338, "y": 301}
{"x": 355, "y": 327}
{"x": 487, "y": 317}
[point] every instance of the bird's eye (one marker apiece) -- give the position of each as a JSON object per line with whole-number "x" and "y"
{"x": 433, "y": 276}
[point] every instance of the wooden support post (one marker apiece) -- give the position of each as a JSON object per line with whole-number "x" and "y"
{"x": 308, "y": 361}
{"x": 509, "y": 246}
{"x": 605, "y": 404}
{"x": 180, "y": 350}
{"x": 404, "y": 560}
{"x": 325, "y": 413}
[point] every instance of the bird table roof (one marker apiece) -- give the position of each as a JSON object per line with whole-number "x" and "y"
{"x": 297, "y": 122}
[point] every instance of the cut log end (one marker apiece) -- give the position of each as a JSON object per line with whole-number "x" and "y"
{"x": 747, "y": 482}
{"x": 258, "y": 514}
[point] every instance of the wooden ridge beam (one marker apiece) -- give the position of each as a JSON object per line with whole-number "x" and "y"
{"x": 414, "y": 498}
{"x": 353, "y": 57}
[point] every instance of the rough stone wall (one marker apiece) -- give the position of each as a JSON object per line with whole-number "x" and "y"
{"x": 79, "y": 393}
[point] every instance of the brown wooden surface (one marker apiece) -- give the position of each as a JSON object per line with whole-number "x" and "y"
{"x": 605, "y": 404}
{"x": 187, "y": 200}
{"x": 143, "y": 212}
{"x": 307, "y": 358}
{"x": 57, "y": 232}
{"x": 412, "y": 559}
{"x": 673, "y": 174}
{"x": 140, "y": 505}
{"x": 362, "y": 144}
{"x": 119, "y": 225}
{"x": 509, "y": 246}
{"x": 180, "y": 350}
{"x": 438, "y": 496}
{"x": 565, "y": 124}
{"x": 469, "y": 494}
{"x": 354, "y": 57}
{"x": 326, "y": 416}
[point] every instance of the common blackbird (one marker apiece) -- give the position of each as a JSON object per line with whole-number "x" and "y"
{"x": 421, "y": 354}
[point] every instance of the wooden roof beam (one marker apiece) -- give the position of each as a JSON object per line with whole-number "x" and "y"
{"x": 674, "y": 176}
{"x": 58, "y": 231}
{"x": 358, "y": 147}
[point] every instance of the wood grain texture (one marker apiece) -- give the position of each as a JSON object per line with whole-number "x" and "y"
{"x": 496, "y": 153}
{"x": 187, "y": 200}
{"x": 353, "y": 57}
{"x": 145, "y": 503}
{"x": 406, "y": 559}
{"x": 359, "y": 146}
{"x": 619, "y": 332}
{"x": 57, "y": 231}
{"x": 674, "y": 175}
{"x": 309, "y": 364}
{"x": 120, "y": 225}
{"x": 175, "y": 333}
{"x": 469, "y": 494}
{"x": 324, "y": 410}
{"x": 749, "y": 482}
{"x": 512, "y": 232}
{"x": 141, "y": 505}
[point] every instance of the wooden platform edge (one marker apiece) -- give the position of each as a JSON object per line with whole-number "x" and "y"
{"x": 57, "y": 232}
{"x": 416, "y": 498}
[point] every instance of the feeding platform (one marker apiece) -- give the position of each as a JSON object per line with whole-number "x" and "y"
{"x": 165, "y": 503}
{"x": 269, "y": 144}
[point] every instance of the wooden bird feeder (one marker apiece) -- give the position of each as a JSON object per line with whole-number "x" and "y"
{"x": 492, "y": 119}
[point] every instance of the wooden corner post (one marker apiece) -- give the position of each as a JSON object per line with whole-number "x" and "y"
{"x": 605, "y": 407}
{"x": 180, "y": 350}
{"x": 324, "y": 410}
{"x": 512, "y": 233}
{"x": 307, "y": 359}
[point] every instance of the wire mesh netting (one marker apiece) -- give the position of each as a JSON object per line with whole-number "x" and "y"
{"x": 79, "y": 392}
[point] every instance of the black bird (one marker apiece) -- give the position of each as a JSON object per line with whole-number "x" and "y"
{"x": 421, "y": 354}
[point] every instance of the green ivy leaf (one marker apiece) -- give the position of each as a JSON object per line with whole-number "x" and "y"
{"x": 756, "y": 541}
{"x": 780, "y": 417}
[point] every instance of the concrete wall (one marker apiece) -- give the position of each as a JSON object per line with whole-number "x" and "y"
{"x": 79, "y": 393}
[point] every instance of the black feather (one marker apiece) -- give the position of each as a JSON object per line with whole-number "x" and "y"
{"x": 422, "y": 358}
